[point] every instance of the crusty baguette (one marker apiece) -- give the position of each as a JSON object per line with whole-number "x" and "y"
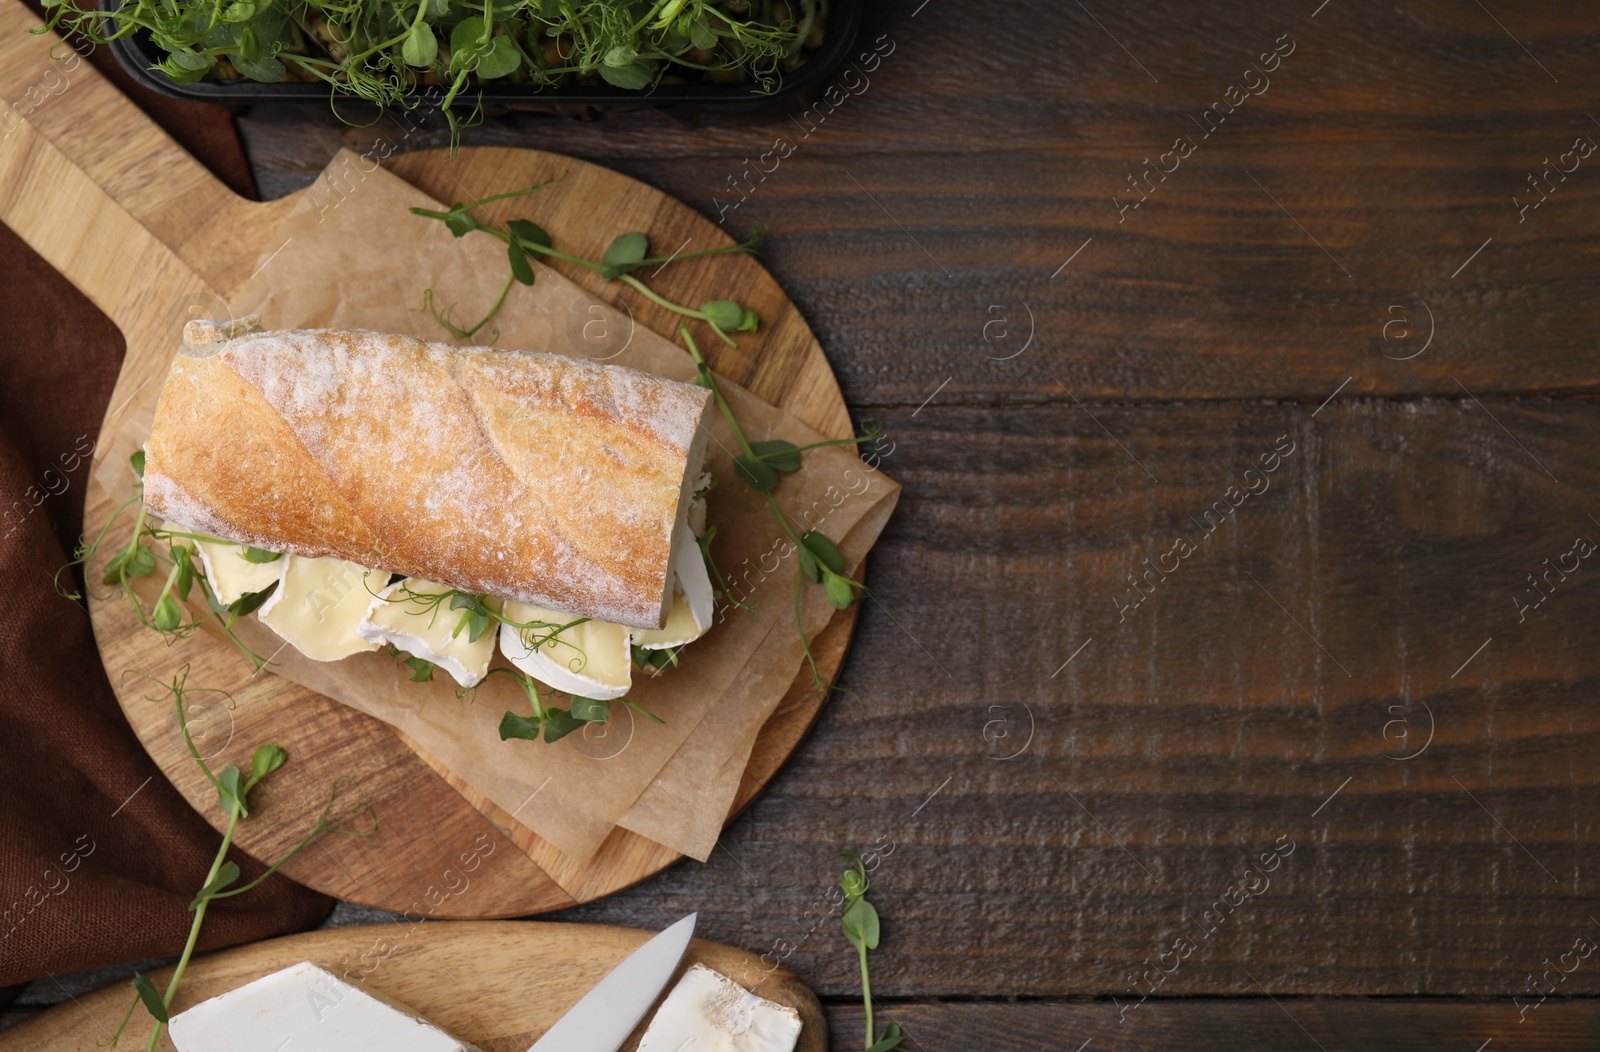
{"x": 536, "y": 477}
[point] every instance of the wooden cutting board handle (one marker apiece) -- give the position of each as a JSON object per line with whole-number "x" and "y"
{"x": 105, "y": 196}
{"x": 101, "y": 192}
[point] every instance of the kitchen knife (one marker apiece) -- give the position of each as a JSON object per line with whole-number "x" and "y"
{"x": 604, "y": 1017}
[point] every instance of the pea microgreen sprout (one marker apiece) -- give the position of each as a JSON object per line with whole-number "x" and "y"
{"x": 552, "y": 721}
{"x": 386, "y": 51}
{"x": 478, "y": 613}
{"x": 144, "y": 556}
{"x": 861, "y": 928}
{"x": 233, "y": 788}
{"x": 626, "y": 254}
{"x": 759, "y": 466}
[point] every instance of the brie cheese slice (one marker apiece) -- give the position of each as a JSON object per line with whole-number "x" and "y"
{"x": 228, "y": 572}
{"x": 305, "y": 1009}
{"x": 319, "y": 605}
{"x": 591, "y": 660}
{"x": 427, "y": 629}
{"x": 690, "y": 615}
{"x": 708, "y": 1012}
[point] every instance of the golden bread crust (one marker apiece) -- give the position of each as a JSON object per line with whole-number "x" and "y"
{"x": 535, "y": 477}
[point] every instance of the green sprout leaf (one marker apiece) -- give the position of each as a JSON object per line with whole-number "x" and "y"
{"x": 193, "y": 61}
{"x": 259, "y": 556}
{"x": 227, "y": 873}
{"x": 560, "y": 723}
{"x": 475, "y": 620}
{"x": 724, "y": 314}
{"x": 500, "y": 59}
{"x": 757, "y": 474}
{"x": 249, "y": 602}
{"x": 590, "y": 710}
{"x": 892, "y": 1040}
{"x": 521, "y": 265}
{"x": 230, "y": 793}
{"x": 185, "y": 565}
{"x": 142, "y": 563}
{"x": 826, "y": 551}
{"x": 839, "y": 591}
{"x": 701, "y": 35}
{"x": 137, "y": 460}
{"x": 530, "y": 234}
{"x": 421, "y": 47}
{"x": 467, "y": 35}
{"x": 634, "y": 77}
{"x": 152, "y": 999}
{"x": 265, "y": 760}
{"x": 809, "y": 566}
{"x": 264, "y": 70}
{"x": 460, "y": 222}
{"x": 524, "y": 727}
{"x": 628, "y": 250}
{"x": 860, "y": 922}
{"x": 422, "y": 672}
{"x": 784, "y": 456}
{"x": 853, "y": 884}
{"x": 168, "y": 615}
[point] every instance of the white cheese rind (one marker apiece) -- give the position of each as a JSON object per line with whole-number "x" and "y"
{"x": 708, "y": 1012}
{"x": 305, "y": 1009}
{"x": 427, "y": 630}
{"x": 591, "y": 660}
{"x": 319, "y": 605}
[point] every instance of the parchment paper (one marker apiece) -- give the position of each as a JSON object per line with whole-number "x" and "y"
{"x": 686, "y": 804}
{"x": 332, "y": 265}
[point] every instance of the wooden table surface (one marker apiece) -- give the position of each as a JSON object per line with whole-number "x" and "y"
{"x": 1101, "y": 277}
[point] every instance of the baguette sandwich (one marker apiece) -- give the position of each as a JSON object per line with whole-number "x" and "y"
{"x": 379, "y": 485}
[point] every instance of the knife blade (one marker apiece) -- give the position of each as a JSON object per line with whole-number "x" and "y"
{"x": 604, "y": 1017}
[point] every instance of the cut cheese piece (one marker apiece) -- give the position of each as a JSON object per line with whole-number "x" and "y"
{"x": 690, "y": 616}
{"x": 228, "y": 572}
{"x": 591, "y": 660}
{"x": 231, "y": 575}
{"x": 319, "y": 605}
{"x": 305, "y": 1009}
{"x": 681, "y": 627}
{"x": 708, "y": 1012}
{"x": 427, "y": 629}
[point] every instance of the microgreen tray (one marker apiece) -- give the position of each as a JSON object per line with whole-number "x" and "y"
{"x": 138, "y": 55}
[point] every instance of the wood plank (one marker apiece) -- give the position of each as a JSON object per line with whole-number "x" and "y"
{"x": 1396, "y": 141}
{"x": 1234, "y": 1025}
{"x": 1178, "y": 746}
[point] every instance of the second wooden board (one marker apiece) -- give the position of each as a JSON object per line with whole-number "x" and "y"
{"x": 498, "y": 985}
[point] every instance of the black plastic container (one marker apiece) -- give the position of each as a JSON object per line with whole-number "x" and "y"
{"x": 137, "y": 55}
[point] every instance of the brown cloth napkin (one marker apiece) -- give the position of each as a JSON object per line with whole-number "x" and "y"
{"x": 99, "y": 855}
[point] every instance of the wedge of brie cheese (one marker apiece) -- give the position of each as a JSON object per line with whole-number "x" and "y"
{"x": 590, "y": 660}
{"x": 319, "y": 605}
{"x": 690, "y": 616}
{"x": 305, "y": 1009}
{"x": 427, "y": 629}
{"x": 230, "y": 574}
{"x": 708, "y": 1012}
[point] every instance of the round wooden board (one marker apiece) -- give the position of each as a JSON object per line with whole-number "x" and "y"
{"x": 427, "y": 822}
{"x": 497, "y": 984}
